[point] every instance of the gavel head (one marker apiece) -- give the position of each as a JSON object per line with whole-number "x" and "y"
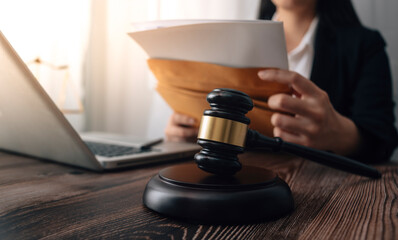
{"x": 222, "y": 131}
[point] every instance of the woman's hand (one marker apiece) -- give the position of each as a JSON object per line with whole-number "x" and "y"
{"x": 181, "y": 128}
{"x": 313, "y": 122}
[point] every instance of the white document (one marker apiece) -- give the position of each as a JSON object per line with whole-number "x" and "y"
{"x": 232, "y": 43}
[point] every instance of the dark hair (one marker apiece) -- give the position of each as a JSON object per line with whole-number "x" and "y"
{"x": 338, "y": 12}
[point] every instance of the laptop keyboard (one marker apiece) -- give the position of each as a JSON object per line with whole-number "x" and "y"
{"x": 112, "y": 150}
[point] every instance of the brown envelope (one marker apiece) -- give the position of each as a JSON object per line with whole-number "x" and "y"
{"x": 185, "y": 84}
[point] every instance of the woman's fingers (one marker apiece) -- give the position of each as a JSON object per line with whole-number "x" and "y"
{"x": 181, "y": 128}
{"x": 181, "y": 119}
{"x": 295, "y": 124}
{"x": 289, "y": 104}
{"x": 286, "y": 123}
{"x": 299, "y": 84}
{"x": 312, "y": 120}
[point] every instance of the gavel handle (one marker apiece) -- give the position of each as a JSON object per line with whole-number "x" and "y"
{"x": 258, "y": 141}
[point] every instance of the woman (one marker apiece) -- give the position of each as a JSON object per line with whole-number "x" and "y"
{"x": 347, "y": 105}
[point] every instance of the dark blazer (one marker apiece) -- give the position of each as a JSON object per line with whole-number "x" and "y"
{"x": 351, "y": 65}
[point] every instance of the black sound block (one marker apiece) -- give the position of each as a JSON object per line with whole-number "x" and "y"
{"x": 186, "y": 192}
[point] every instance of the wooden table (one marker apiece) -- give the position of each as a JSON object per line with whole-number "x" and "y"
{"x": 41, "y": 199}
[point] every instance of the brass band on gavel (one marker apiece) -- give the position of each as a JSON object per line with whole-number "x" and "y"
{"x": 223, "y": 130}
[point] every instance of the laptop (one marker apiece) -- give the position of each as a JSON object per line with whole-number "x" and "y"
{"x": 31, "y": 124}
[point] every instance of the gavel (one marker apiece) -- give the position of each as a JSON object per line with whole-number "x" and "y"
{"x": 224, "y": 133}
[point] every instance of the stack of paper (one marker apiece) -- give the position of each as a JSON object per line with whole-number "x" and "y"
{"x": 256, "y": 43}
{"x": 190, "y": 58}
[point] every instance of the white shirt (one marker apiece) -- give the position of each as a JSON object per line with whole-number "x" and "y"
{"x": 301, "y": 58}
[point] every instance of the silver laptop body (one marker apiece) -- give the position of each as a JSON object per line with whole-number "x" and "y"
{"x": 31, "y": 124}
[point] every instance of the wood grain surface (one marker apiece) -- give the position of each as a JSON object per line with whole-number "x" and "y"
{"x": 44, "y": 200}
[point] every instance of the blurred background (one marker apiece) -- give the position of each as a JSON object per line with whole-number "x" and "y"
{"x": 81, "y": 53}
